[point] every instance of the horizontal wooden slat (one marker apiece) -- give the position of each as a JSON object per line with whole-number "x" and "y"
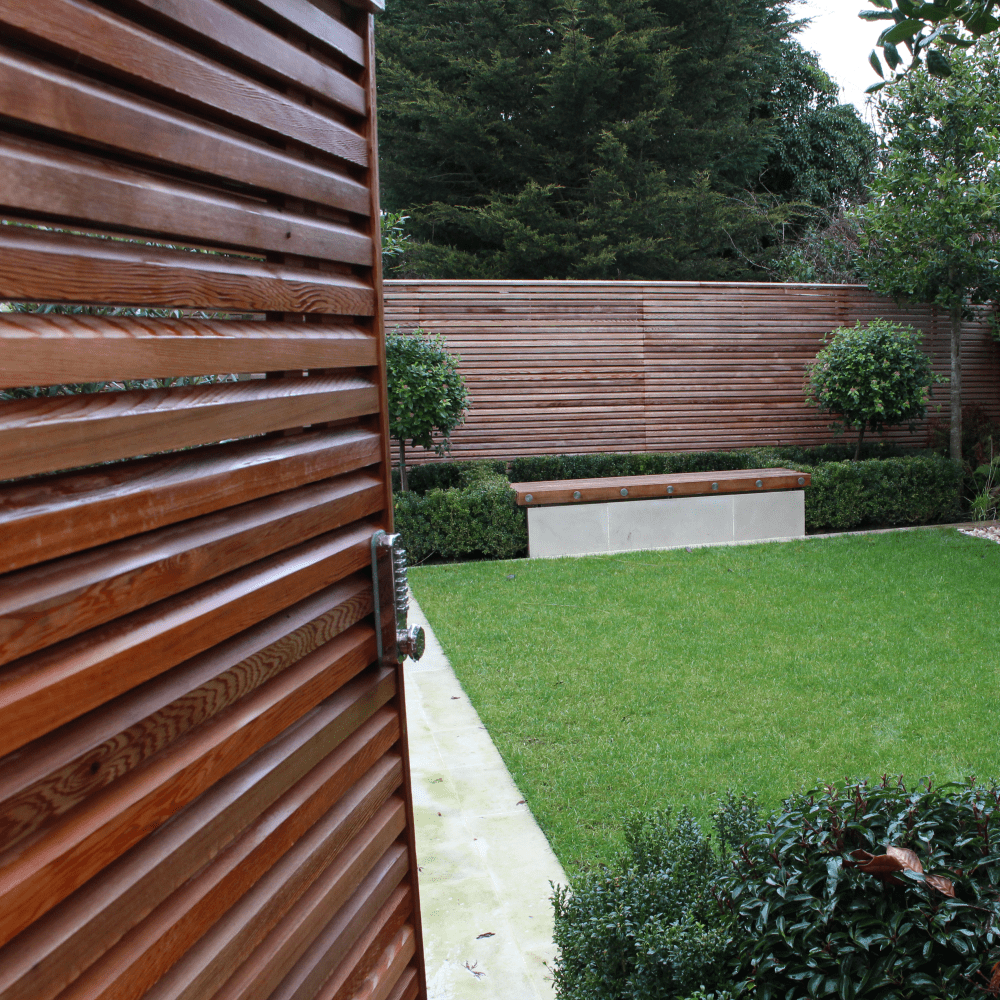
{"x": 303, "y": 770}
{"x": 681, "y": 484}
{"x": 274, "y": 956}
{"x": 376, "y": 960}
{"x": 208, "y": 965}
{"x": 45, "y": 604}
{"x": 53, "y": 267}
{"x": 42, "y": 179}
{"x": 36, "y": 877}
{"x": 47, "y": 349}
{"x": 329, "y": 949}
{"x": 234, "y": 34}
{"x": 90, "y": 34}
{"x": 657, "y": 366}
{"x": 42, "y": 94}
{"x": 387, "y": 970}
{"x": 408, "y": 986}
{"x": 46, "y": 689}
{"x": 47, "y": 518}
{"x": 58, "y": 432}
{"x": 307, "y": 17}
{"x": 79, "y": 759}
{"x": 285, "y": 845}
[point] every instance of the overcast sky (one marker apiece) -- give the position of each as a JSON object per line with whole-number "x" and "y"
{"x": 843, "y": 42}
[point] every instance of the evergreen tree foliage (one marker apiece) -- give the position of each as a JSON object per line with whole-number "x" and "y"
{"x": 427, "y": 394}
{"x": 932, "y": 231}
{"x": 643, "y": 139}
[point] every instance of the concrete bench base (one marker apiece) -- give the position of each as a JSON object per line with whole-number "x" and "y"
{"x": 590, "y": 528}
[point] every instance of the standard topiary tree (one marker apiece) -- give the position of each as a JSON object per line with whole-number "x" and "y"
{"x": 931, "y": 233}
{"x": 871, "y": 375}
{"x": 427, "y": 394}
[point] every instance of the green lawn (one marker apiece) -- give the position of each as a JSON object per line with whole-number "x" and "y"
{"x": 613, "y": 682}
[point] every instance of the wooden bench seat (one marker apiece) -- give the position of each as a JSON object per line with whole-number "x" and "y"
{"x": 680, "y": 484}
{"x": 624, "y": 513}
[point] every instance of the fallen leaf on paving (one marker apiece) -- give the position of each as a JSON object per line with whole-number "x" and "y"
{"x": 479, "y": 937}
{"x": 520, "y": 802}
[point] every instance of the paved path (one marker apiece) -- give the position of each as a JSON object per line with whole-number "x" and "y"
{"x": 485, "y": 864}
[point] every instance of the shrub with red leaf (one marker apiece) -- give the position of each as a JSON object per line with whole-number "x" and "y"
{"x": 862, "y": 891}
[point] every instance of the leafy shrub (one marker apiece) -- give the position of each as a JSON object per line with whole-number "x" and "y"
{"x": 427, "y": 394}
{"x": 466, "y": 509}
{"x": 479, "y": 520}
{"x": 448, "y": 475}
{"x": 649, "y": 927}
{"x": 893, "y": 491}
{"x": 824, "y": 918}
{"x": 871, "y": 375}
{"x": 541, "y": 468}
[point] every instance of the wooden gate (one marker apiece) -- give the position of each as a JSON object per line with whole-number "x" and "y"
{"x": 203, "y": 772}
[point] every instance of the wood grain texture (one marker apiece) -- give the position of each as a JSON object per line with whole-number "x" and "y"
{"x": 53, "y": 267}
{"x": 281, "y": 639}
{"x": 45, "y": 95}
{"x": 140, "y": 57}
{"x": 321, "y": 854}
{"x": 58, "y": 432}
{"x": 577, "y": 367}
{"x": 43, "y": 179}
{"x": 330, "y": 947}
{"x": 50, "y": 517}
{"x": 261, "y": 50}
{"x": 683, "y": 484}
{"x": 388, "y": 967}
{"x": 386, "y": 938}
{"x": 45, "y": 604}
{"x": 59, "y": 771}
{"x": 408, "y": 987}
{"x": 308, "y": 18}
{"x": 38, "y": 873}
{"x": 47, "y": 689}
{"x": 73, "y": 349}
{"x": 276, "y": 954}
{"x": 316, "y": 761}
{"x": 204, "y": 788}
{"x": 296, "y": 845}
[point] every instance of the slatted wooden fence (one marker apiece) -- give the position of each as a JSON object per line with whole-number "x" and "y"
{"x": 203, "y": 771}
{"x": 576, "y": 367}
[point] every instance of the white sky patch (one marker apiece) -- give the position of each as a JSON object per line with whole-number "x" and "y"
{"x": 843, "y": 42}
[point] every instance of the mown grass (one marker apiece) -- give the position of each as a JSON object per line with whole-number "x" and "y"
{"x": 617, "y": 682}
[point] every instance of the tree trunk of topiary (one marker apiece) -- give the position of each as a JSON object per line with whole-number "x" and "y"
{"x": 402, "y": 466}
{"x": 861, "y": 437}
{"x": 956, "y": 382}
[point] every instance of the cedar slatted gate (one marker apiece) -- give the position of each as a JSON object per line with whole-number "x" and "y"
{"x": 203, "y": 772}
{"x": 591, "y": 366}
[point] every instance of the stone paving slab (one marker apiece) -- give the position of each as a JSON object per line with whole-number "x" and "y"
{"x": 485, "y": 866}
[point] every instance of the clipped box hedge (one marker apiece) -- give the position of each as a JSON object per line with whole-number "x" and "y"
{"x": 466, "y": 510}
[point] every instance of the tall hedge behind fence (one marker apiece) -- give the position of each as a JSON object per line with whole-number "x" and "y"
{"x": 564, "y": 366}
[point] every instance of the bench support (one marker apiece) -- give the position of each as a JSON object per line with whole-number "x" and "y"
{"x": 589, "y": 528}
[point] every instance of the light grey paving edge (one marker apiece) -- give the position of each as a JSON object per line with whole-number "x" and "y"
{"x": 485, "y": 866}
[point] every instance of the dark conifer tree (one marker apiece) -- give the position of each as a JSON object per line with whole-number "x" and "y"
{"x": 582, "y": 138}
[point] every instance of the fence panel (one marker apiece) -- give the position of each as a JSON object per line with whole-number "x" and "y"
{"x": 574, "y": 367}
{"x": 204, "y": 783}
